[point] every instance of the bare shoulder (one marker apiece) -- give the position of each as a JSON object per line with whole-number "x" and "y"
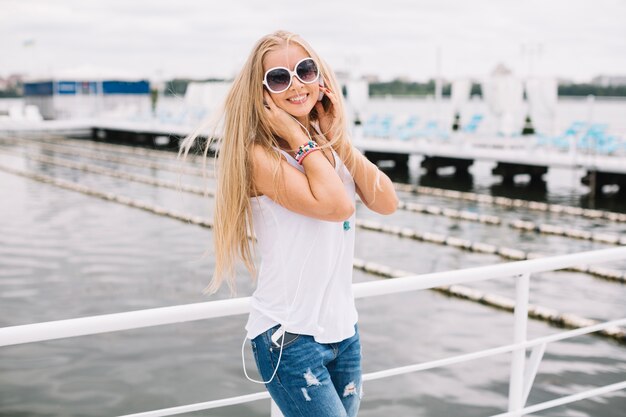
{"x": 260, "y": 155}
{"x": 262, "y": 158}
{"x": 264, "y": 169}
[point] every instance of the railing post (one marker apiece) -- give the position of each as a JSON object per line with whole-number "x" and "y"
{"x": 275, "y": 411}
{"x": 516, "y": 382}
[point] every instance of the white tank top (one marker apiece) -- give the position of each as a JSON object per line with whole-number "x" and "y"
{"x": 305, "y": 274}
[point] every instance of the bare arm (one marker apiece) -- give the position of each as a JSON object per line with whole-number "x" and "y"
{"x": 318, "y": 192}
{"x": 382, "y": 200}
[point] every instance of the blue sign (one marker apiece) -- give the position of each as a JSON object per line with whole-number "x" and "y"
{"x": 48, "y": 88}
{"x": 38, "y": 89}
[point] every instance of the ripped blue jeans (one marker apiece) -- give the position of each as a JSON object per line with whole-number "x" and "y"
{"x": 313, "y": 379}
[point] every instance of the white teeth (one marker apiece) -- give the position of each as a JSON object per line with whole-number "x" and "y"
{"x": 298, "y": 98}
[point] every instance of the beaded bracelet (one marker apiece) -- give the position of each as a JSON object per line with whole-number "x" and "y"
{"x": 305, "y": 154}
{"x": 304, "y": 150}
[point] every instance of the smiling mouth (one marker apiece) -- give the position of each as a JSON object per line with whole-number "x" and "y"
{"x": 299, "y": 99}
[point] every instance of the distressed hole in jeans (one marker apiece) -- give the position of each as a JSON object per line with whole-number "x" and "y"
{"x": 310, "y": 378}
{"x": 350, "y": 389}
{"x": 306, "y": 394}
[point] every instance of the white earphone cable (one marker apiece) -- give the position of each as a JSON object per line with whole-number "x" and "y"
{"x": 287, "y": 320}
{"x": 282, "y": 342}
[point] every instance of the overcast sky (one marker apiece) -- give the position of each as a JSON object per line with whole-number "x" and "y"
{"x": 572, "y": 39}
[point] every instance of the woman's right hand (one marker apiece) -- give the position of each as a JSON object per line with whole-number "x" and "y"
{"x": 283, "y": 124}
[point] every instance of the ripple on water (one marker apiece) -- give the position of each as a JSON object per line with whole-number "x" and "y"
{"x": 88, "y": 242}
{"x": 10, "y": 276}
{"x": 19, "y": 293}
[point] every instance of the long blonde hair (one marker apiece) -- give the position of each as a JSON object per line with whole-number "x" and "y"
{"x": 245, "y": 123}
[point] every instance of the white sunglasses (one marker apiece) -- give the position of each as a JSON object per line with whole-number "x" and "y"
{"x": 278, "y": 79}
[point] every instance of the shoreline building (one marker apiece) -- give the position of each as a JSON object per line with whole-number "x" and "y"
{"x": 85, "y": 94}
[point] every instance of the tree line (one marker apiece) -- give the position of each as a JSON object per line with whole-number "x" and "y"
{"x": 403, "y": 88}
{"x": 177, "y": 87}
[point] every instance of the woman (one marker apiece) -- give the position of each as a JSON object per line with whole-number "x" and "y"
{"x": 288, "y": 173}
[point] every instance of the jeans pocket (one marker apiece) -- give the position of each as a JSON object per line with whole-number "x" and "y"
{"x": 289, "y": 339}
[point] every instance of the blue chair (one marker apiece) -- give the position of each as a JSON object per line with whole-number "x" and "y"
{"x": 562, "y": 141}
{"x": 608, "y": 146}
{"x": 473, "y": 123}
{"x": 383, "y": 127}
{"x": 432, "y": 130}
{"x": 369, "y": 127}
{"x": 593, "y": 137}
{"x": 575, "y": 128}
{"x": 431, "y": 127}
{"x": 407, "y": 130}
{"x": 378, "y": 126}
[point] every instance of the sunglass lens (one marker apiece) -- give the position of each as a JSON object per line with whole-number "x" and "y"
{"x": 278, "y": 79}
{"x": 307, "y": 71}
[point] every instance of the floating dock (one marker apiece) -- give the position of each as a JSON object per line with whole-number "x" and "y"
{"x": 513, "y": 156}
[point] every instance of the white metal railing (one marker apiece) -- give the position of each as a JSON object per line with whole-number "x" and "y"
{"x": 520, "y": 379}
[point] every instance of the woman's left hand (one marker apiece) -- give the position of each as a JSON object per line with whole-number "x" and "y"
{"x": 326, "y": 117}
